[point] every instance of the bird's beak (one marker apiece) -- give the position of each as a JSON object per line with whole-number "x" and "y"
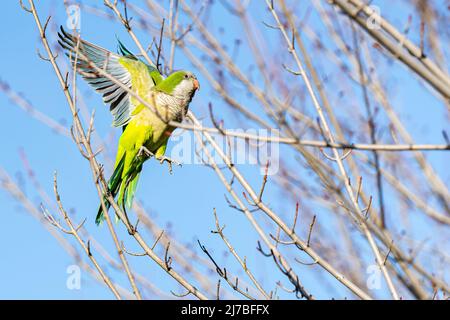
{"x": 196, "y": 84}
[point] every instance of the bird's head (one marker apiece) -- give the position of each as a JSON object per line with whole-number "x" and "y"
{"x": 180, "y": 84}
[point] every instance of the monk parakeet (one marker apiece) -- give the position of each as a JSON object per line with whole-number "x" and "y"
{"x": 145, "y": 131}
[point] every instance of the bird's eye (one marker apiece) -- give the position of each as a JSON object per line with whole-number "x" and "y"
{"x": 186, "y": 76}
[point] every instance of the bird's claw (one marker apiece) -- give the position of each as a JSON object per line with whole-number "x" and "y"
{"x": 143, "y": 150}
{"x": 169, "y": 161}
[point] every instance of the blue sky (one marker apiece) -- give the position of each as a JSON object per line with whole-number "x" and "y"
{"x": 33, "y": 264}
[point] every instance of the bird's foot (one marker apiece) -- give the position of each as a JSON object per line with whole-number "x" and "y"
{"x": 169, "y": 161}
{"x": 144, "y": 151}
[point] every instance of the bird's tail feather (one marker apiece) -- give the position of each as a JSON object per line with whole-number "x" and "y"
{"x": 131, "y": 190}
{"x": 127, "y": 190}
{"x": 114, "y": 184}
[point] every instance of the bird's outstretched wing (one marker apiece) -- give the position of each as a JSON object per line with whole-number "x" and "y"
{"x": 126, "y": 69}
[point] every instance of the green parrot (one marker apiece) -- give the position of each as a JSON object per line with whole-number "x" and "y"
{"x": 145, "y": 131}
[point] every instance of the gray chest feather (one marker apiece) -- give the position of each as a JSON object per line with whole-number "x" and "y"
{"x": 175, "y": 106}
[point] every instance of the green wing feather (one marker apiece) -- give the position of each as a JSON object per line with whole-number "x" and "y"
{"x": 122, "y": 50}
{"x": 114, "y": 95}
{"x": 126, "y": 68}
{"x": 152, "y": 70}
